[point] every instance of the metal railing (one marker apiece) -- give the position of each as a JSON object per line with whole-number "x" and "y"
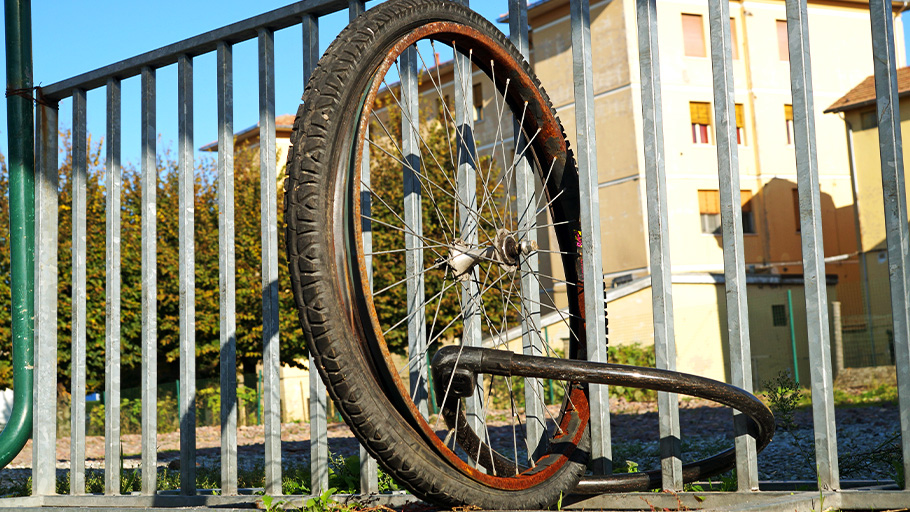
{"x": 306, "y": 13}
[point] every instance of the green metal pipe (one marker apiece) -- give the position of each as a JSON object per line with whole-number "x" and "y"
{"x": 793, "y": 336}
{"x": 20, "y": 126}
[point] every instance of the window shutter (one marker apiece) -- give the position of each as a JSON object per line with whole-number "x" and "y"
{"x": 740, "y": 116}
{"x": 783, "y": 48}
{"x": 708, "y": 201}
{"x": 693, "y": 35}
{"x": 788, "y": 112}
{"x": 700, "y": 112}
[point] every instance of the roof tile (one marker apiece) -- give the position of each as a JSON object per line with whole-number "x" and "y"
{"x": 864, "y": 94}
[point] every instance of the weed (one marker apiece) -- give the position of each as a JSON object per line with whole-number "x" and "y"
{"x": 271, "y": 505}
{"x": 784, "y": 395}
{"x": 344, "y": 472}
{"x": 322, "y": 502}
{"x": 630, "y": 466}
{"x": 295, "y": 480}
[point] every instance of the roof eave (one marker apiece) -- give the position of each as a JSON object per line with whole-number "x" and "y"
{"x": 861, "y": 104}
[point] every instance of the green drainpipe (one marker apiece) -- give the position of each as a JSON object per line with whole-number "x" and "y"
{"x": 20, "y": 123}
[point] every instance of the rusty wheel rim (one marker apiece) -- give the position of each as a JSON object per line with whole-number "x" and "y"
{"x": 501, "y": 230}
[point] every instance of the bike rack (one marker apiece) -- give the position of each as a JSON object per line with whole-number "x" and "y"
{"x": 42, "y": 292}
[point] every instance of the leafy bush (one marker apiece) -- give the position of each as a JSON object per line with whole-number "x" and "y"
{"x": 633, "y": 354}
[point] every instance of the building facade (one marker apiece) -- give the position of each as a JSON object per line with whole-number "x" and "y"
{"x": 841, "y": 53}
{"x": 869, "y": 338}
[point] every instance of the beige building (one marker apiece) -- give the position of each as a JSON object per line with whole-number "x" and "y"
{"x": 766, "y": 158}
{"x": 868, "y": 337}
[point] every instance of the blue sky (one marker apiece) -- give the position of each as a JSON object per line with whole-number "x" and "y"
{"x": 71, "y": 37}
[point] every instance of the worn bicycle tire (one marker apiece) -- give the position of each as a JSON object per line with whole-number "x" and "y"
{"x": 320, "y": 155}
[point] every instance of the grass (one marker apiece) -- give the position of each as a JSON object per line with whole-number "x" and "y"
{"x": 877, "y": 394}
{"x": 344, "y": 477}
{"x": 783, "y": 395}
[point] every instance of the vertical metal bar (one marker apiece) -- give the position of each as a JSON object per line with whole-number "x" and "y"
{"x": 20, "y": 123}
{"x": 894, "y": 188}
{"x": 269, "y": 190}
{"x": 112, "y": 294}
{"x": 466, "y": 182}
{"x": 319, "y": 448}
{"x": 310, "y": 25}
{"x": 863, "y": 269}
{"x": 659, "y": 237}
{"x": 319, "y": 442}
{"x": 810, "y": 215}
{"x": 149, "y": 249}
{"x": 595, "y": 328}
{"x": 78, "y": 326}
{"x": 187, "y": 262}
{"x": 369, "y": 472}
{"x": 525, "y": 180}
{"x": 44, "y": 432}
{"x": 356, "y": 8}
{"x": 732, "y": 228}
{"x": 227, "y": 268}
{"x": 413, "y": 220}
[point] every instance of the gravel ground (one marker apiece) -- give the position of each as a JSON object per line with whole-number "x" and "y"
{"x": 705, "y": 429}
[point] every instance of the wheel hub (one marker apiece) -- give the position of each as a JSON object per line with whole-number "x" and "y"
{"x": 505, "y": 251}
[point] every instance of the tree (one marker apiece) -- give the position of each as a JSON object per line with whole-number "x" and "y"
{"x": 248, "y": 243}
{"x": 440, "y": 227}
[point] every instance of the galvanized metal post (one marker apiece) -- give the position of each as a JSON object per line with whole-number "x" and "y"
{"x": 813, "y": 247}
{"x": 319, "y": 448}
{"x": 525, "y": 184}
{"x": 732, "y": 228}
{"x": 20, "y": 126}
{"x": 659, "y": 237}
{"x": 369, "y": 472}
{"x": 80, "y": 296}
{"x": 149, "y": 179}
{"x": 44, "y": 437}
{"x": 112, "y": 294}
{"x": 271, "y": 361}
{"x": 894, "y": 185}
{"x": 585, "y": 140}
{"x": 227, "y": 267}
{"x": 466, "y": 183}
{"x": 413, "y": 207}
{"x": 187, "y": 274}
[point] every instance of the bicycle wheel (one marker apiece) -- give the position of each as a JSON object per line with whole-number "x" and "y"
{"x": 444, "y": 236}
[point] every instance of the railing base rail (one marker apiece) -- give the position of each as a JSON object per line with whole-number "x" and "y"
{"x": 769, "y": 501}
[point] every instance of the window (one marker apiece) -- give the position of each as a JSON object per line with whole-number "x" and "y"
{"x": 693, "y": 35}
{"x": 868, "y": 120}
{"x": 478, "y": 102}
{"x": 709, "y": 211}
{"x": 735, "y": 49}
{"x": 796, "y": 209}
{"x": 745, "y": 197}
{"x": 779, "y": 315}
{"x": 788, "y": 120}
{"x": 740, "y": 124}
{"x": 783, "y": 48}
{"x": 700, "y": 113}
